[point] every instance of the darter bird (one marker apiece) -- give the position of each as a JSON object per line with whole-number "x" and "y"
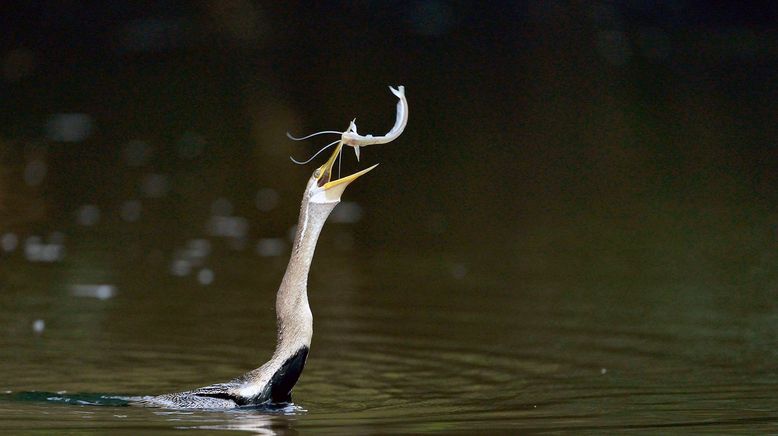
{"x": 272, "y": 383}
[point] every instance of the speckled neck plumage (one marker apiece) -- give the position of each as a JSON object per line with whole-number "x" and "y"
{"x": 295, "y": 322}
{"x": 292, "y": 300}
{"x": 272, "y": 383}
{"x": 293, "y": 314}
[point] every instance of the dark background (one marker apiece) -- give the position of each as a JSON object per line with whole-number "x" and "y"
{"x": 632, "y": 137}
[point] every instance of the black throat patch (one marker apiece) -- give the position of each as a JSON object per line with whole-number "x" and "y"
{"x": 284, "y": 379}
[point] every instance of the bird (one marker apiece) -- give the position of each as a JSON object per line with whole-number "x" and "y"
{"x": 271, "y": 384}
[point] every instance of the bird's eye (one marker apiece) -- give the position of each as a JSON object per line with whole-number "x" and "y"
{"x": 317, "y": 173}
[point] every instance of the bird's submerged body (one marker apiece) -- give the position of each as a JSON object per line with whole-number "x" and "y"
{"x": 243, "y": 391}
{"x": 272, "y": 383}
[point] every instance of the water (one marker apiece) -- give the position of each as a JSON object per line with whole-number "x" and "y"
{"x": 393, "y": 350}
{"x": 568, "y": 319}
{"x": 529, "y": 306}
{"x": 576, "y": 233}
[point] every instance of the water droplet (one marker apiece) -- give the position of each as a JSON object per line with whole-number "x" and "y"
{"x": 51, "y": 253}
{"x": 205, "y": 276}
{"x": 105, "y": 292}
{"x": 35, "y": 251}
{"x": 33, "y": 248}
{"x": 228, "y": 226}
{"x": 99, "y": 291}
{"x": 198, "y": 248}
{"x": 181, "y": 267}
{"x": 38, "y": 326}
{"x": 9, "y": 242}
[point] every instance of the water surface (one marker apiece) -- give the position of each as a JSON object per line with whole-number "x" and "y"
{"x": 404, "y": 342}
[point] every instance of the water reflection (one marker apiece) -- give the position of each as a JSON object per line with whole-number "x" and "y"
{"x": 464, "y": 359}
{"x": 8, "y": 242}
{"x": 38, "y": 326}
{"x": 254, "y": 422}
{"x": 205, "y": 276}
{"x": 99, "y": 291}
{"x": 35, "y": 250}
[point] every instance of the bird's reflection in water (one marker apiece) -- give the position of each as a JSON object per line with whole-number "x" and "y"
{"x": 253, "y": 421}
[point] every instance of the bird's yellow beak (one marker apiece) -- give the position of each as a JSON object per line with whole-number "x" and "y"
{"x": 336, "y": 187}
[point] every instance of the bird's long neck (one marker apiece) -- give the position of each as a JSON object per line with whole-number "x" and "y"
{"x": 274, "y": 380}
{"x": 295, "y": 321}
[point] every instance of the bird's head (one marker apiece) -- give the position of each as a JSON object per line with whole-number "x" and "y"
{"x": 322, "y": 188}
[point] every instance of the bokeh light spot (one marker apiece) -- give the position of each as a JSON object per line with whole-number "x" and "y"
{"x": 88, "y": 215}
{"x": 269, "y": 247}
{"x": 69, "y": 127}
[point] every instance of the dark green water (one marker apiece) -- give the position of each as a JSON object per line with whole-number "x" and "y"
{"x": 560, "y": 242}
{"x": 409, "y": 337}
